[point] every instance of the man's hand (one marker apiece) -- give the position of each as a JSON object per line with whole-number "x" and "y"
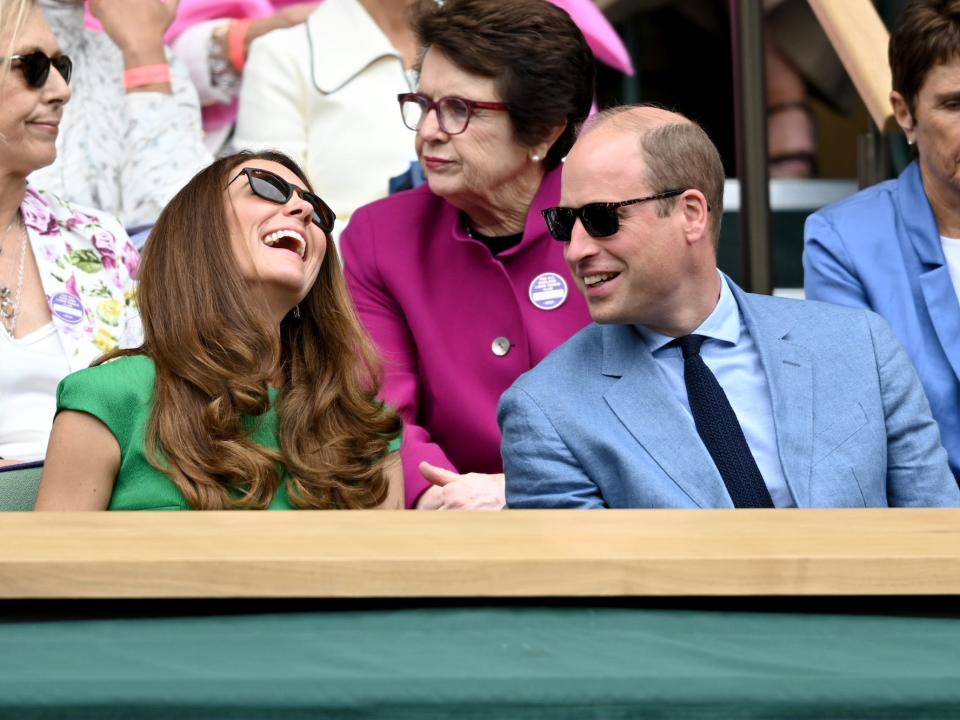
{"x": 471, "y": 491}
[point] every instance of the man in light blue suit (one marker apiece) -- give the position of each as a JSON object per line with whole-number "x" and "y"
{"x": 686, "y": 391}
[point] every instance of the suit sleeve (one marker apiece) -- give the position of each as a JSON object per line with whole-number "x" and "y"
{"x": 828, "y": 273}
{"x": 917, "y": 471}
{"x": 386, "y": 323}
{"x": 541, "y": 471}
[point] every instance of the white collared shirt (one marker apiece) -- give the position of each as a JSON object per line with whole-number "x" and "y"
{"x": 330, "y": 89}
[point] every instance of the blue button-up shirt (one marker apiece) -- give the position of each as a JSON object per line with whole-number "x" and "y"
{"x": 732, "y": 356}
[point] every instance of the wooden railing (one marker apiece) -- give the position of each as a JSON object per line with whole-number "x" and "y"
{"x": 460, "y": 554}
{"x": 858, "y": 35}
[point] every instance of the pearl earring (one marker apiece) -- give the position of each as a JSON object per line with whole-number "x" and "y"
{"x": 535, "y": 158}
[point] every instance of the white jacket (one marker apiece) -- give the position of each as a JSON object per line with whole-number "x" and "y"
{"x": 325, "y": 93}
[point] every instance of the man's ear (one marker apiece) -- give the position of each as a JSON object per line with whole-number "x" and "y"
{"x": 696, "y": 215}
{"x": 902, "y": 114}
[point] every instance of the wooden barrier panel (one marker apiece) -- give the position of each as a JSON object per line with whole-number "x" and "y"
{"x": 858, "y": 35}
{"x": 549, "y": 553}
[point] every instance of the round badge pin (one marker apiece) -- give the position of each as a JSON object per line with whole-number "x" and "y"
{"x": 548, "y": 291}
{"x": 67, "y": 307}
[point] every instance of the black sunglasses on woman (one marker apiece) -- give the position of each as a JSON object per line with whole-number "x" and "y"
{"x": 270, "y": 186}
{"x": 35, "y": 67}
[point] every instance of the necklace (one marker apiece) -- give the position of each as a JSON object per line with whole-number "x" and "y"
{"x": 15, "y": 221}
{"x": 10, "y": 309}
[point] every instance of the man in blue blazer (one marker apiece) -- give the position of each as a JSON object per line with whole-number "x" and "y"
{"x": 686, "y": 391}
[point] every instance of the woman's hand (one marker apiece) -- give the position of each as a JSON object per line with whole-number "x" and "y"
{"x": 471, "y": 491}
{"x": 136, "y": 26}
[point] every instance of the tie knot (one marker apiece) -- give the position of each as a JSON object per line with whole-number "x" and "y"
{"x": 690, "y": 345}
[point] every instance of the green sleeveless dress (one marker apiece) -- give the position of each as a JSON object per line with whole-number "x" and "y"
{"x": 120, "y": 394}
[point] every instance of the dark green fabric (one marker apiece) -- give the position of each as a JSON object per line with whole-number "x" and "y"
{"x": 120, "y": 394}
{"x": 18, "y": 488}
{"x": 465, "y": 663}
{"x": 786, "y": 233}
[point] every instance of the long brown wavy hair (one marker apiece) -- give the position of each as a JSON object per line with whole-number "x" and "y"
{"x": 216, "y": 355}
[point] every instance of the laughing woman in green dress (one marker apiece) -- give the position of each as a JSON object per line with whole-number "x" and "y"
{"x": 255, "y": 387}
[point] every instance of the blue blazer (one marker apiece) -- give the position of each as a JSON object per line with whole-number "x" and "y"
{"x": 880, "y": 249}
{"x": 595, "y": 424}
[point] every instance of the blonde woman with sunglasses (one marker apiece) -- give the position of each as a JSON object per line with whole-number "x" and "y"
{"x": 66, "y": 272}
{"x": 254, "y": 387}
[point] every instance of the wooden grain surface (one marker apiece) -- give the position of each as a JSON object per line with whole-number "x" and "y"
{"x": 458, "y": 554}
{"x": 858, "y": 35}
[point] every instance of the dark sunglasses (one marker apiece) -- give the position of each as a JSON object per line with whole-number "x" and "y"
{"x": 272, "y": 187}
{"x": 599, "y": 219}
{"x": 35, "y": 67}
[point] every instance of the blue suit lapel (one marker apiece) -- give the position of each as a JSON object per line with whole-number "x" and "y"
{"x": 789, "y": 371}
{"x": 644, "y": 404}
{"x": 939, "y": 295}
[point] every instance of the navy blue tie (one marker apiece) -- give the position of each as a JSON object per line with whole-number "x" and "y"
{"x": 720, "y": 430}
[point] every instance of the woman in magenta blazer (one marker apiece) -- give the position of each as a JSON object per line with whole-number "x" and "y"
{"x": 458, "y": 281}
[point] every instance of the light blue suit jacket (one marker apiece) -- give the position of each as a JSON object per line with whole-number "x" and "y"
{"x": 880, "y": 249}
{"x": 595, "y": 424}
